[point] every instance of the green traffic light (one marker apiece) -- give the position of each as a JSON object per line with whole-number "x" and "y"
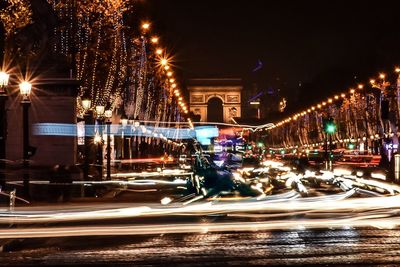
{"x": 331, "y": 128}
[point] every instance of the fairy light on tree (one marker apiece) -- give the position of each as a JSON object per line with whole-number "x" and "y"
{"x": 15, "y": 15}
{"x": 118, "y": 65}
{"x": 359, "y": 115}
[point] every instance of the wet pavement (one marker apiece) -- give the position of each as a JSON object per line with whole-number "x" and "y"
{"x": 205, "y": 245}
{"x": 345, "y": 246}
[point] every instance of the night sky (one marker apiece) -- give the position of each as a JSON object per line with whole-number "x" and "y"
{"x": 326, "y": 46}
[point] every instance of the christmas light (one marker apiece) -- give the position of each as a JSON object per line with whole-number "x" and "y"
{"x": 146, "y": 26}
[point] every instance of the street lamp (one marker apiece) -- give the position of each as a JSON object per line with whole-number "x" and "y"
{"x": 108, "y": 115}
{"x": 4, "y": 77}
{"x": 3, "y": 122}
{"x": 124, "y": 122}
{"x": 25, "y": 90}
{"x": 136, "y": 124}
{"x": 86, "y": 104}
{"x": 100, "y": 109}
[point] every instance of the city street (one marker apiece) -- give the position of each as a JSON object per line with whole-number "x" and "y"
{"x": 199, "y": 133}
{"x": 302, "y": 247}
{"x": 278, "y": 229}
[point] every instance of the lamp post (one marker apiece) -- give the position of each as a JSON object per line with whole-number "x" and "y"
{"x": 136, "y": 124}
{"x": 124, "y": 122}
{"x": 100, "y": 109}
{"x": 25, "y": 90}
{"x": 108, "y": 115}
{"x": 3, "y": 124}
{"x": 86, "y": 104}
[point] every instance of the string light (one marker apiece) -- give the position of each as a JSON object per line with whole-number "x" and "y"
{"x": 146, "y": 26}
{"x": 330, "y": 101}
{"x": 154, "y": 40}
{"x": 106, "y": 57}
{"x": 164, "y": 61}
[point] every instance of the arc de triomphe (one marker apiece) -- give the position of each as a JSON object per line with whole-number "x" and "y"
{"x": 217, "y": 100}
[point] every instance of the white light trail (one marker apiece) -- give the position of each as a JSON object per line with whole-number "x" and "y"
{"x": 381, "y": 221}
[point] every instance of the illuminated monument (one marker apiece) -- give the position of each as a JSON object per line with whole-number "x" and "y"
{"x": 216, "y": 100}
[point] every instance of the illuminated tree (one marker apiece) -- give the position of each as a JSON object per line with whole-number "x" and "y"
{"x": 15, "y": 15}
{"x": 115, "y": 61}
{"x": 367, "y": 115}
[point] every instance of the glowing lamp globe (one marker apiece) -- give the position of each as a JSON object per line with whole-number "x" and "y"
{"x": 86, "y": 103}
{"x": 4, "y": 78}
{"x": 100, "y": 110}
{"x": 108, "y": 114}
{"x": 25, "y": 88}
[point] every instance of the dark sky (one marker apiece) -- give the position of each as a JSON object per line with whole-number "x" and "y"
{"x": 327, "y": 44}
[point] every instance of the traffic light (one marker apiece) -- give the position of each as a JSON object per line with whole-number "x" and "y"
{"x": 329, "y": 125}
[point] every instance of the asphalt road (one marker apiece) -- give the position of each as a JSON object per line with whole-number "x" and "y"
{"x": 324, "y": 228}
{"x": 344, "y": 246}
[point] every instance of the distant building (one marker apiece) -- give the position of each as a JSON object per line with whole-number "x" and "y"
{"x": 216, "y": 100}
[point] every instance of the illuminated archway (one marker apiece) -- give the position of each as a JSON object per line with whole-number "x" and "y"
{"x": 225, "y": 94}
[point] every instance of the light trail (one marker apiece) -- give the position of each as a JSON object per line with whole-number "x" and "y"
{"x": 331, "y": 203}
{"x": 236, "y": 125}
{"x": 65, "y": 129}
{"x": 380, "y": 221}
{"x": 146, "y": 182}
{"x": 381, "y": 209}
